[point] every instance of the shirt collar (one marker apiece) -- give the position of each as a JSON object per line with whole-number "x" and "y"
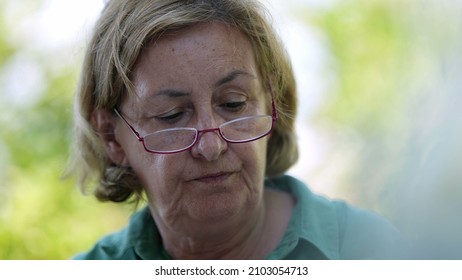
{"x": 146, "y": 240}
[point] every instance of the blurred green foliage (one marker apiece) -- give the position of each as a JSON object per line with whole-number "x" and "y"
{"x": 381, "y": 104}
{"x": 373, "y": 46}
{"x": 394, "y": 111}
{"x": 41, "y": 215}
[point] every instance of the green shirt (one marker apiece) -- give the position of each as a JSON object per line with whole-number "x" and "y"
{"x": 318, "y": 229}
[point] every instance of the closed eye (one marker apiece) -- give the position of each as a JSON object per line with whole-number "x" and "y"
{"x": 234, "y": 106}
{"x": 170, "y": 117}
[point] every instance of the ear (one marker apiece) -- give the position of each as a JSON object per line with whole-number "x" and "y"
{"x": 104, "y": 123}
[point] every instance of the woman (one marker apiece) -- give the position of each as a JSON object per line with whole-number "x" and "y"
{"x": 190, "y": 106}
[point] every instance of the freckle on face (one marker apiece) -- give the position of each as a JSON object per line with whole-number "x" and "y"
{"x": 199, "y": 57}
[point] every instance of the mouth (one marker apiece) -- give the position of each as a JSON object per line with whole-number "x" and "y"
{"x": 213, "y": 178}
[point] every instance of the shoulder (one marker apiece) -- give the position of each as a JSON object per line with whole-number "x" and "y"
{"x": 111, "y": 247}
{"x": 366, "y": 235}
{"x": 121, "y": 245}
{"x": 338, "y": 229}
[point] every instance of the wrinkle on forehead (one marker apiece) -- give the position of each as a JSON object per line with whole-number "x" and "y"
{"x": 191, "y": 47}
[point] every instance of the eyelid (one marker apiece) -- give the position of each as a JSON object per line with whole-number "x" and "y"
{"x": 234, "y": 103}
{"x": 233, "y": 94}
{"x": 171, "y": 114}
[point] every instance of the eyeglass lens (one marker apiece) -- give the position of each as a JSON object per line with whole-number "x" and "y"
{"x": 236, "y": 131}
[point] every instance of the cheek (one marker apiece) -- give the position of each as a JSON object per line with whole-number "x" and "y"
{"x": 155, "y": 170}
{"x": 253, "y": 156}
{"x": 161, "y": 176}
{"x": 137, "y": 157}
{"x": 144, "y": 164}
{"x": 141, "y": 161}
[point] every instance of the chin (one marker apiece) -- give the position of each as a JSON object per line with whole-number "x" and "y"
{"x": 220, "y": 208}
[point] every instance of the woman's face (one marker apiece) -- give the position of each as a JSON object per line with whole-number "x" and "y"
{"x": 197, "y": 77}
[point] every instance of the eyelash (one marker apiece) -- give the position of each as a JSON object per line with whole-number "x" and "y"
{"x": 234, "y": 106}
{"x": 170, "y": 117}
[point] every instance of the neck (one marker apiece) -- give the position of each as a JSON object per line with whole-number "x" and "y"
{"x": 232, "y": 242}
{"x": 249, "y": 236}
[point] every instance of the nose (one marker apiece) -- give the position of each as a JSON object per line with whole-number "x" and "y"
{"x": 210, "y": 145}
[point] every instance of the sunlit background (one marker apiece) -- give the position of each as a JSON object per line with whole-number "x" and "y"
{"x": 380, "y": 122}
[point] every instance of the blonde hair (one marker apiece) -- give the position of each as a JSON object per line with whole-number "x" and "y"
{"x": 122, "y": 31}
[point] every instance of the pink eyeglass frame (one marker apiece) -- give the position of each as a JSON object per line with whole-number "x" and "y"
{"x": 198, "y": 132}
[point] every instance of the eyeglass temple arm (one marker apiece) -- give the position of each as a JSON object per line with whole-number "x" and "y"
{"x": 137, "y": 135}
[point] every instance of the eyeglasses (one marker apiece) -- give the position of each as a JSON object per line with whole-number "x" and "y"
{"x": 175, "y": 140}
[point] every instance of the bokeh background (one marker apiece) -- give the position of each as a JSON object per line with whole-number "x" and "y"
{"x": 380, "y": 121}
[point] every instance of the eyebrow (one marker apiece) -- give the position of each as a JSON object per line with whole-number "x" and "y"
{"x": 228, "y": 78}
{"x": 172, "y": 93}
{"x": 233, "y": 75}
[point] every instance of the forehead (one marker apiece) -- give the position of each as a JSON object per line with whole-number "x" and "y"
{"x": 200, "y": 38}
{"x": 193, "y": 57}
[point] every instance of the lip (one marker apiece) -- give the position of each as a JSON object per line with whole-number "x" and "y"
{"x": 213, "y": 177}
